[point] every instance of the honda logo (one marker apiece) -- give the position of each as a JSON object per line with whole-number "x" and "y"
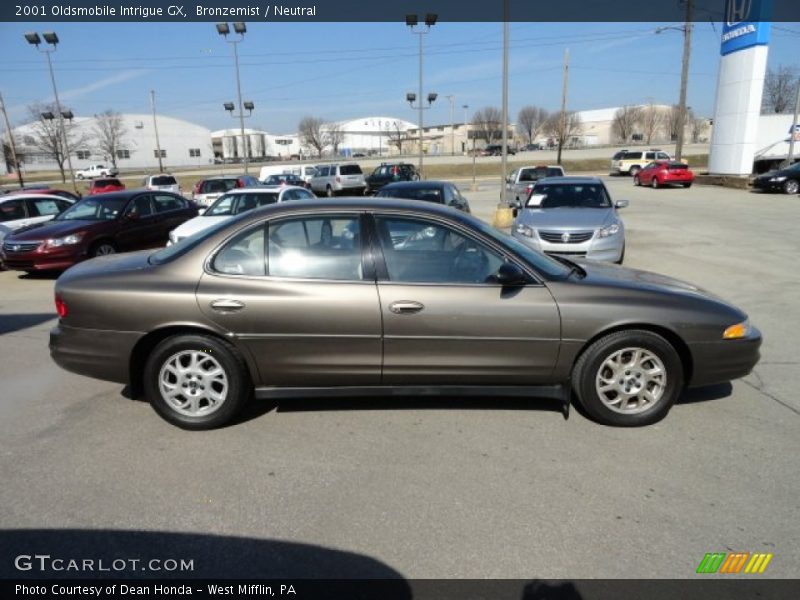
{"x": 738, "y": 11}
{"x": 565, "y": 237}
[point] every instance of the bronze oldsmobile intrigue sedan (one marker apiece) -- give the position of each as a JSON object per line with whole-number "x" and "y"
{"x": 364, "y": 297}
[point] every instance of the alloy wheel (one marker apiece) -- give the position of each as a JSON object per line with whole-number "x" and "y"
{"x": 631, "y": 380}
{"x": 193, "y": 383}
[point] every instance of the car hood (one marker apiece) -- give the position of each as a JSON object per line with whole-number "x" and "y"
{"x": 197, "y": 224}
{"x": 566, "y": 218}
{"x": 778, "y": 173}
{"x": 50, "y": 229}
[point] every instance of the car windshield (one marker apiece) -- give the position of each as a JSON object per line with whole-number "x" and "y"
{"x": 584, "y": 195}
{"x": 350, "y": 170}
{"x": 794, "y": 167}
{"x": 429, "y": 194}
{"x": 235, "y": 204}
{"x": 94, "y": 209}
{"x": 540, "y": 261}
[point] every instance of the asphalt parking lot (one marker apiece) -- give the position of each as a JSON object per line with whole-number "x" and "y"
{"x": 426, "y": 488}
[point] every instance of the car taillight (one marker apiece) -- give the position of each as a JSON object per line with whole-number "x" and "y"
{"x": 239, "y": 183}
{"x": 61, "y": 307}
{"x": 529, "y": 189}
{"x": 197, "y": 187}
{"x": 338, "y": 179}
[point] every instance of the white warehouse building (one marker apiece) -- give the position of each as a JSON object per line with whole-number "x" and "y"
{"x": 227, "y": 144}
{"x": 183, "y": 144}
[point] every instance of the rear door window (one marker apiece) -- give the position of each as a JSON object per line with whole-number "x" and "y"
{"x": 166, "y": 203}
{"x": 12, "y": 210}
{"x": 650, "y": 156}
{"x": 43, "y": 207}
{"x": 632, "y": 156}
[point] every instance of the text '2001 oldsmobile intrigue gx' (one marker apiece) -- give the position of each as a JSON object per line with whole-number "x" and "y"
{"x": 364, "y": 297}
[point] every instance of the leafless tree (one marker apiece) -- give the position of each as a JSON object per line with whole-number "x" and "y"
{"x": 780, "y": 89}
{"x": 572, "y": 126}
{"x": 672, "y": 121}
{"x": 396, "y": 135}
{"x": 651, "y": 120}
{"x": 333, "y": 136}
{"x": 46, "y": 134}
{"x": 530, "y": 120}
{"x": 109, "y": 134}
{"x": 624, "y": 123}
{"x": 699, "y": 126}
{"x": 487, "y": 124}
{"x": 312, "y": 134}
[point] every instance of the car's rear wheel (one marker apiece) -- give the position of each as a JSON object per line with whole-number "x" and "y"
{"x": 102, "y": 248}
{"x": 654, "y": 182}
{"x": 329, "y": 192}
{"x": 637, "y": 181}
{"x": 196, "y": 381}
{"x": 628, "y": 378}
{"x": 791, "y": 186}
{"x": 687, "y": 185}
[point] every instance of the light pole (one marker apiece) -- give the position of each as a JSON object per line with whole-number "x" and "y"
{"x": 52, "y": 39}
{"x": 240, "y": 29}
{"x": 412, "y": 21}
{"x": 452, "y": 99}
{"x": 466, "y": 129}
{"x": 686, "y": 28}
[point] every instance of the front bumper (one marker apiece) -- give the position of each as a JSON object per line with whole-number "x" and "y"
{"x": 57, "y": 259}
{"x": 768, "y": 186}
{"x": 607, "y": 249}
{"x": 724, "y": 360}
{"x": 94, "y": 353}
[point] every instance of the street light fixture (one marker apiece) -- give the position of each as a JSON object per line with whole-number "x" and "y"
{"x": 240, "y": 29}
{"x": 412, "y": 20}
{"x": 51, "y": 39}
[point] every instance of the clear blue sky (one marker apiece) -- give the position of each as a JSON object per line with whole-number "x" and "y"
{"x": 347, "y": 70}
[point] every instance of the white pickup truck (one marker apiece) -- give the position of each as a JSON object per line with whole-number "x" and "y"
{"x": 96, "y": 171}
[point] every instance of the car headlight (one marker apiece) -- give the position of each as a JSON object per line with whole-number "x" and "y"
{"x": 524, "y": 230}
{"x": 612, "y": 229}
{"x": 738, "y": 331}
{"x": 69, "y": 240}
{"x": 783, "y": 178}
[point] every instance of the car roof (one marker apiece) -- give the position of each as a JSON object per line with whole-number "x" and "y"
{"x": 575, "y": 179}
{"x": 542, "y": 167}
{"x": 23, "y": 196}
{"x": 263, "y": 189}
{"x": 123, "y": 194}
{"x": 427, "y": 183}
{"x": 225, "y": 177}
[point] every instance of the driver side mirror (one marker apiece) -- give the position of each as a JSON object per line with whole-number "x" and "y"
{"x": 621, "y": 203}
{"x": 510, "y": 275}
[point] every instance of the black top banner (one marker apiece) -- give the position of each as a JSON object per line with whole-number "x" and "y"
{"x": 731, "y": 11}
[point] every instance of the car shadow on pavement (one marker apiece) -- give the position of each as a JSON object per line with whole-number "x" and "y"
{"x": 543, "y": 590}
{"x": 16, "y": 322}
{"x": 707, "y": 393}
{"x": 44, "y": 275}
{"x": 212, "y": 557}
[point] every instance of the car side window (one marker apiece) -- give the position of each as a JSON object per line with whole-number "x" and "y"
{"x": 243, "y": 255}
{"x": 421, "y": 251}
{"x": 166, "y": 203}
{"x": 303, "y": 195}
{"x": 650, "y": 156}
{"x": 315, "y": 247}
{"x": 322, "y": 172}
{"x": 141, "y": 206}
{"x": 43, "y": 207}
{"x": 12, "y": 210}
{"x": 662, "y": 156}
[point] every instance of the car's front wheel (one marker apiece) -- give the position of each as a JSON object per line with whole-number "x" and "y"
{"x": 791, "y": 186}
{"x": 654, "y": 182}
{"x": 634, "y": 171}
{"x": 637, "y": 181}
{"x": 102, "y": 248}
{"x": 628, "y": 378}
{"x": 196, "y": 381}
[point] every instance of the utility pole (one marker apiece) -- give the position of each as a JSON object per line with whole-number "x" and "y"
{"x": 504, "y": 157}
{"x": 790, "y": 156}
{"x": 562, "y": 127}
{"x": 155, "y": 127}
{"x": 687, "y": 51}
{"x": 466, "y": 129}
{"x": 452, "y": 99}
{"x": 11, "y": 142}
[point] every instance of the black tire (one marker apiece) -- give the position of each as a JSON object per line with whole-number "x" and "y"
{"x": 622, "y": 256}
{"x": 634, "y": 170}
{"x": 636, "y": 180}
{"x": 791, "y": 186}
{"x": 79, "y": 176}
{"x": 329, "y": 192}
{"x": 240, "y": 387}
{"x": 687, "y": 185}
{"x": 588, "y": 368}
{"x": 102, "y": 248}
{"x": 654, "y": 183}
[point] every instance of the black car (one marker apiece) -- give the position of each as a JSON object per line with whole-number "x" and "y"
{"x": 389, "y": 173}
{"x": 440, "y": 192}
{"x": 497, "y": 150}
{"x": 784, "y": 180}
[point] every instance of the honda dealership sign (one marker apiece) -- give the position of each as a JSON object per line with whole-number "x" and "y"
{"x": 745, "y": 35}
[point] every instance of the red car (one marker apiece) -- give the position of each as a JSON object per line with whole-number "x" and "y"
{"x": 665, "y": 172}
{"x": 95, "y": 226}
{"x": 105, "y": 185}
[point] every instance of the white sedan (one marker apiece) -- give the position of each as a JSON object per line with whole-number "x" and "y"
{"x": 20, "y": 210}
{"x": 235, "y": 202}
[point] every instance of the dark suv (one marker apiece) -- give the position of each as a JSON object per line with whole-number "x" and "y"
{"x": 389, "y": 173}
{"x": 95, "y": 226}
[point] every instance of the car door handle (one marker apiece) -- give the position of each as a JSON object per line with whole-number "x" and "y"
{"x": 227, "y": 305}
{"x": 405, "y": 307}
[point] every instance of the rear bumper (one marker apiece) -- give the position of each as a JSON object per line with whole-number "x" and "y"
{"x": 92, "y": 352}
{"x": 725, "y": 360}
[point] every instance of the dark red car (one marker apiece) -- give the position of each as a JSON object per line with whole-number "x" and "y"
{"x": 95, "y": 226}
{"x": 665, "y": 172}
{"x": 105, "y": 185}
